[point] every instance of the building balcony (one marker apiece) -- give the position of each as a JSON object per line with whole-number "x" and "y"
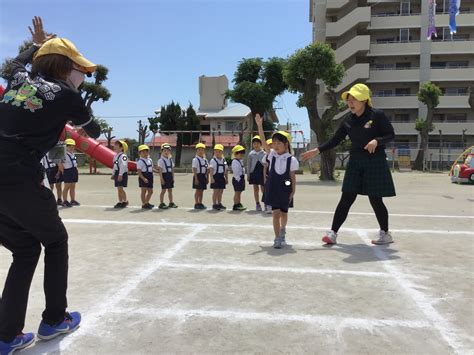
{"x": 464, "y": 19}
{"x": 453, "y": 47}
{"x": 394, "y": 48}
{"x": 413, "y": 20}
{"x": 359, "y": 16}
{"x": 452, "y": 74}
{"x": 336, "y": 4}
{"x": 354, "y": 46}
{"x": 396, "y": 102}
{"x": 451, "y": 101}
{"x": 448, "y": 128}
{"x": 355, "y": 73}
{"x": 394, "y": 75}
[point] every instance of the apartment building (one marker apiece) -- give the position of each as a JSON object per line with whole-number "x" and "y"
{"x": 384, "y": 44}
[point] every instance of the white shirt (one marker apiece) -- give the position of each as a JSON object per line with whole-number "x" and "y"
{"x": 264, "y": 159}
{"x": 218, "y": 170}
{"x": 198, "y": 162}
{"x": 145, "y": 165}
{"x": 164, "y": 162}
{"x": 47, "y": 164}
{"x": 238, "y": 169}
{"x": 120, "y": 163}
{"x": 70, "y": 161}
{"x": 281, "y": 161}
{"x": 253, "y": 158}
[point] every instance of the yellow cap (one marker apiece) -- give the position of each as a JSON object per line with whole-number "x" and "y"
{"x": 200, "y": 145}
{"x": 284, "y": 134}
{"x": 66, "y": 48}
{"x": 237, "y": 149}
{"x": 165, "y": 146}
{"x": 269, "y": 141}
{"x": 360, "y": 92}
{"x": 70, "y": 141}
{"x": 143, "y": 147}
{"x": 219, "y": 147}
{"x": 124, "y": 146}
{"x": 257, "y": 138}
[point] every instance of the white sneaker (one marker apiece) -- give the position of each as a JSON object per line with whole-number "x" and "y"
{"x": 384, "y": 238}
{"x": 269, "y": 209}
{"x": 330, "y": 237}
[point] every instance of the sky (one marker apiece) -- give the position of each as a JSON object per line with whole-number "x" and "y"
{"x": 156, "y": 50}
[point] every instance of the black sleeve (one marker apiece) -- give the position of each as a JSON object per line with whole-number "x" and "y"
{"x": 338, "y": 137}
{"x": 386, "y": 131}
{"x": 81, "y": 116}
{"x": 19, "y": 63}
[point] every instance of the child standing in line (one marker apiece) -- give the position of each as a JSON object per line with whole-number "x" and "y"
{"x": 238, "y": 179}
{"x": 145, "y": 176}
{"x": 219, "y": 177}
{"x": 166, "y": 171}
{"x": 281, "y": 184}
{"x": 54, "y": 173}
{"x": 120, "y": 172}
{"x": 266, "y": 164}
{"x": 71, "y": 174}
{"x": 200, "y": 167}
{"x": 255, "y": 170}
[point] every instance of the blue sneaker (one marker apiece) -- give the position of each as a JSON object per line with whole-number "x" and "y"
{"x": 71, "y": 323}
{"x": 20, "y": 342}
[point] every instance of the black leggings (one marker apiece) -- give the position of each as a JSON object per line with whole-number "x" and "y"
{"x": 347, "y": 199}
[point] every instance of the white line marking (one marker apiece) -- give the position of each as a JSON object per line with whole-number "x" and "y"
{"x": 91, "y": 320}
{"x": 322, "y": 321}
{"x": 266, "y": 226}
{"x": 223, "y": 267}
{"x": 323, "y": 212}
{"x": 451, "y": 335}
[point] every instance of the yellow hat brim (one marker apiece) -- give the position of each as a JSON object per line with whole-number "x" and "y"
{"x": 357, "y": 95}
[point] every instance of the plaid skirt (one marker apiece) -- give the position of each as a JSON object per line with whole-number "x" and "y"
{"x": 369, "y": 176}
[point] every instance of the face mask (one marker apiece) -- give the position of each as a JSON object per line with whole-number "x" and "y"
{"x": 76, "y": 78}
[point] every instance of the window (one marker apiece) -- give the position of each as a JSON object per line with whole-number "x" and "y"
{"x": 404, "y": 34}
{"x": 402, "y": 92}
{"x": 458, "y": 64}
{"x": 233, "y": 126}
{"x": 456, "y": 117}
{"x": 438, "y": 117}
{"x": 405, "y": 7}
{"x": 404, "y": 65}
{"x": 385, "y": 66}
{"x": 454, "y": 91}
{"x": 383, "y": 92}
{"x": 402, "y": 117}
{"x": 386, "y": 40}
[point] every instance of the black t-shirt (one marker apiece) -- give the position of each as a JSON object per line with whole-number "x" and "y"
{"x": 373, "y": 124}
{"x": 34, "y": 111}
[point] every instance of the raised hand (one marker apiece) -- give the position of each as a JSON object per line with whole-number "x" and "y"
{"x": 38, "y": 33}
{"x": 309, "y": 154}
{"x": 258, "y": 120}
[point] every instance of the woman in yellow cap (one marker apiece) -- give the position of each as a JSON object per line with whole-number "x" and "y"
{"x": 34, "y": 111}
{"x": 120, "y": 172}
{"x": 200, "y": 167}
{"x": 145, "y": 176}
{"x": 367, "y": 171}
{"x": 219, "y": 177}
{"x": 166, "y": 171}
{"x": 70, "y": 174}
{"x": 281, "y": 183}
{"x": 255, "y": 170}
{"x": 238, "y": 179}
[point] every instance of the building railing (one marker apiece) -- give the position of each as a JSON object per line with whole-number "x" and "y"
{"x": 418, "y": 41}
{"x": 417, "y": 68}
{"x": 394, "y": 14}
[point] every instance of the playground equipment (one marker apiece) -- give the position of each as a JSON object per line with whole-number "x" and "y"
{"x": 462, "y": 169}
{"x": 93, "y": 148}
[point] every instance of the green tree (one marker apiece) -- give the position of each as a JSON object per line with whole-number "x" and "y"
{"x": 153, "y": 126}
{"x": 142, "y": 132}
{"x": 5, "y": 68}
{"x": 304, "y": 72}
{"x": 342, "y": 148}
{"x": 106, "y": 130}
{"x": 256, "y": 84}
{"x": 93, "y": 91}
{"x": 428, "y": 94}
{"x": 173, "y": 119}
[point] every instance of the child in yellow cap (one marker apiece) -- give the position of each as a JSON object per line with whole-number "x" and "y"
{"x": 219, "y": 177}
{"x": 70, "y": 174}
{"x": 166, "y": 170}
{"x": 266, "y": 164}
{"x": 281, "y": 183}
{"x": 120, "y": 172}
{"x": 200, "y": 167}
{"x": 238, "y": 179}
{"x": 255, "y": 170}
{"x": 145, "y": 176}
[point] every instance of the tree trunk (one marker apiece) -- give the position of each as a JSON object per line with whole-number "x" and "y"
{"x": 424, "y": 138}
{"x": 179, "y": 148}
